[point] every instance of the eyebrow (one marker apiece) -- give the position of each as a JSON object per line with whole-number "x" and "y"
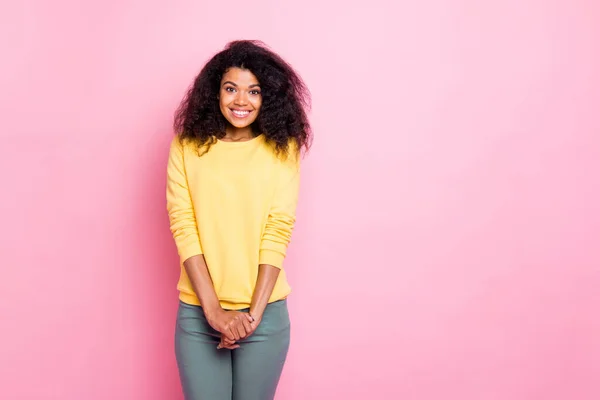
{"x": 233, "y": 84}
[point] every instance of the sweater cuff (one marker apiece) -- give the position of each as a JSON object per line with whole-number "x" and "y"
{"x": 271, "y": 257}
{"x": 189, "y": 251}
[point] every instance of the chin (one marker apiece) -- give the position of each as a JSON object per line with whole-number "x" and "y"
{"x": 241, "y": 125}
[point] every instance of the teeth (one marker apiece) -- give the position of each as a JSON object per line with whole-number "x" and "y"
{"x": 241, "y": 113}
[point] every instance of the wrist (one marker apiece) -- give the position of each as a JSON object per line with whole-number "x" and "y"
{"x": 257, "y": 316}
{"x": 212, "y": 312}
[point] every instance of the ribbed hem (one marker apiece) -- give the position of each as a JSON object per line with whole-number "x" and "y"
{"x": 226, "y": 305}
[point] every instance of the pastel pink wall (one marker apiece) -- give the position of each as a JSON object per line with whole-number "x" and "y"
{"x": 447, "y": 245}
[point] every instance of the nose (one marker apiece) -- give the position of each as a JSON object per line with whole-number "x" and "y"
{"x": 241, "y": 99}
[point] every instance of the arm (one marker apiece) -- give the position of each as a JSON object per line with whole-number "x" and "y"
{"x": 233, "y": 325}
{"x": 187, "y": 240}
{"x": 179, "y": 205}
{"x": 277, "y": 234}
{"x": 197, "y": 271}
{"x": 274, "y": 243}
{"x": 267, "y": 277}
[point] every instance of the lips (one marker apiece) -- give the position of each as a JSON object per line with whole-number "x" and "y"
{"x": 240, "y": 113}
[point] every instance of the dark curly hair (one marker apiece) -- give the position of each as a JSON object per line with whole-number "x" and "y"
{"x": 285, "y": 99}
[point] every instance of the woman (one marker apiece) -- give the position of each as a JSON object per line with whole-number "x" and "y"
{"x": 232, "y": 189}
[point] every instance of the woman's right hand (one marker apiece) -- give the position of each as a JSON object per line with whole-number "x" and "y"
{"x": 235, "y": 325}
{"x": 231, "y": 344}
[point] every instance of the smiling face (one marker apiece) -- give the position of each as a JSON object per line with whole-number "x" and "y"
{"x": 239, "y": 97}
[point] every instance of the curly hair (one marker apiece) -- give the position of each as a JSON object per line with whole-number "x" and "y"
{"x": 285, "y": 99}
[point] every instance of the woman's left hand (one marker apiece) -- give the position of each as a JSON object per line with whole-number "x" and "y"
{"x": 231, "y": 344}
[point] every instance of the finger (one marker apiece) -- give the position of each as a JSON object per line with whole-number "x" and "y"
{"x": 232, "y": 346}
{"x": 227, "y": 341}
{"x": 247, "y": 327}
{"x": 241, "y": 325}
{"x": 254, "y": 327}
{"x": 234, "y": 333}
{"x": 242, "y": 330}
{"x": 226, "y": 344}
{"x": 227, "y": 333}
{"x": 249, "y": 317}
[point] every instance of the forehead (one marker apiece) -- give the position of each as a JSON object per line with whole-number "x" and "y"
{"x": 241, "y": 77}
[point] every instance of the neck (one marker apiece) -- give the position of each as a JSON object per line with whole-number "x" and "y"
{"x": 233, "y": 133}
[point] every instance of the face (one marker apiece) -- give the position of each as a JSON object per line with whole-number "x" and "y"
{"x": 239, "y": 97}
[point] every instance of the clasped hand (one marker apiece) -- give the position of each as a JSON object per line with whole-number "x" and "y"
{"x": 233, "y": 326}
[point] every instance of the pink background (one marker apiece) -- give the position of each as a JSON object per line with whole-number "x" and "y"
{"x": 447, "y": 245}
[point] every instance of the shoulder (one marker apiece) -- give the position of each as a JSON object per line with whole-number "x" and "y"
{"x": 291, "y": 157}
{"x": 184, "y": 146}
{"x": 289, "y": 163}
{"x": 178, "y": 143}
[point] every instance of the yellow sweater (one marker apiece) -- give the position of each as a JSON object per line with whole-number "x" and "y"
{"x": 236, "y": 205}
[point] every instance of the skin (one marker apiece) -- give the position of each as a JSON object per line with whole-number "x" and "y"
{"x": 240, "y": 91}
{"x": 233, "y": 325}
{"x": 267, "y": 277}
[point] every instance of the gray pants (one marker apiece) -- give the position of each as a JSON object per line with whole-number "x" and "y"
{"x": 250, "y": 372}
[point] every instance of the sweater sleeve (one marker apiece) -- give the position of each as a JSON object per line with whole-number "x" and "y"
{"x": 282, "y": 215}
{"x": 179, "y": 205}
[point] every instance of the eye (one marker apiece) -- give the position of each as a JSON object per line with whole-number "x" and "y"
{"x": 255, "y": 92}
{"x": 229, "y": 89}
